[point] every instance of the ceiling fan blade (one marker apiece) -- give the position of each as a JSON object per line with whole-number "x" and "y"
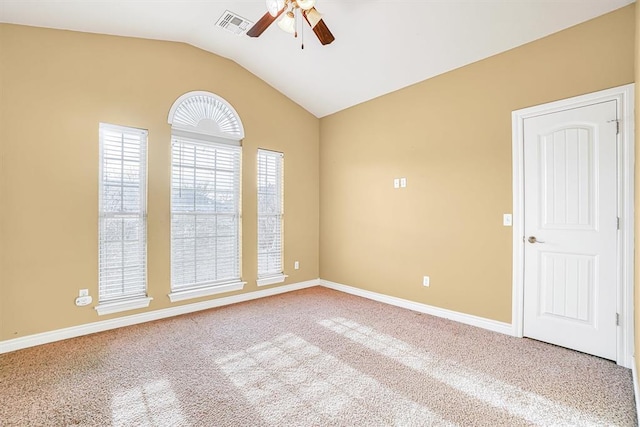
{"x": 323, "y": 33}
{"x": 314, "y": 19}
{"x": 263, "y": 23}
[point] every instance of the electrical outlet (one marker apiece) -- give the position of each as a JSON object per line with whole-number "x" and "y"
{"x": 425, "y": 281}
{"x": 296, "y": 265}
{"x": 83, "y": 293}
{"x": 403, "y": 182}
{"x": 82, "y": 301}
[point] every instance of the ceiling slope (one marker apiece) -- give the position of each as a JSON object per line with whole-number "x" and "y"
{"x": 381, "y": 45}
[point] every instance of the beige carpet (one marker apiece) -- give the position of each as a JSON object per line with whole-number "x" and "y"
{"x": 310, "y": 358}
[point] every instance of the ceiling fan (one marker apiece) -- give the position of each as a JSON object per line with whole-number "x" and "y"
{"x": 290, "y": 8}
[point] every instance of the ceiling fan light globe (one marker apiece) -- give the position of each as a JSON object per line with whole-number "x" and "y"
{"x": 288, "y": 23}
{"x": 274, "y": 6}
{"x": 306, "y": 4}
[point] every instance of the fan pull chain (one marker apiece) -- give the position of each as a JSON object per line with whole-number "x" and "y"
{"x": 302, "y": 33}
{"x": 295, "y": 22}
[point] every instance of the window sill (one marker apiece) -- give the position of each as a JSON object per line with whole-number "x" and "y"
{"x": 206, "y": 291}
{"x": 271, "y": 280}
{"x": 118, "y": 306}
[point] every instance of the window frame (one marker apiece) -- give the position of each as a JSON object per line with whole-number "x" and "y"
{"x": 270, "y": 276}
{"x": 206, "y": 119}
{"x": 136, "y": 297}
{"x": 205, "y": 287}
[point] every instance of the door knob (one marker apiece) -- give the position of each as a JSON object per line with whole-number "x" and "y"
{"x": 532, "y": 239}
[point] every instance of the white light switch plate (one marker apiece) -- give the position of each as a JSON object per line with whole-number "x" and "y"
{"x": 507, "y": 220}
{"x": 396, "y": 183}
{"x": 403, "y": 182}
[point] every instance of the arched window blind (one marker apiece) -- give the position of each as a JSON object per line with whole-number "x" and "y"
{"x": 203, "y": 113}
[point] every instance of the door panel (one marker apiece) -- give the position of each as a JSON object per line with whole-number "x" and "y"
{"x": 570, "y": 188}
{"x": 566, "y": 287}
{"x": 567, "y": 178}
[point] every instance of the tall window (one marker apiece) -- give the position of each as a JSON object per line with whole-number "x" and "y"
{"x": 270, "y": 217}
{"x": 205, "y": 220}
{"x": 123, "y": 218}
{"x": 205, "y": 196}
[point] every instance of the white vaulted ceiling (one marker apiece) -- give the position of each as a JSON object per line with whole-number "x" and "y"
{"x": 380, "y": 46}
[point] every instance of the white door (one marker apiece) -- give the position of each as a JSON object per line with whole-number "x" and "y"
{"x": 571, "y": 226}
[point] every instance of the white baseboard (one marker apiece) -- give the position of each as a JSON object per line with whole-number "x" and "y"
{"x": 105, "y": 325}
{"x": 636, "y": 389}
{"x": 467, "y": 319}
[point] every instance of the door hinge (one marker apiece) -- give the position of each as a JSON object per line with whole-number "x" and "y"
{"x": 617, "y": 125}
{"x": 617, "y": 319}
{"x": 618, "y": 223}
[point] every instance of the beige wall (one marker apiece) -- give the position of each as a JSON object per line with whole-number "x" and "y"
{"x": 56, "y": 86}
{"x": 637, "y": 193}
{"x": 450, "y": 136}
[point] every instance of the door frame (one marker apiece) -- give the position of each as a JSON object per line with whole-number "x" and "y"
{"x": 625, "y": 161}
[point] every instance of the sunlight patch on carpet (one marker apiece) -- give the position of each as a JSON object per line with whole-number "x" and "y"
{"x": 152, "y": 404}
{"x": 290, "y": 382}
{"x": 526, "y": 405}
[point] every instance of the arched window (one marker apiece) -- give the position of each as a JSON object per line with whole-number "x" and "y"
{"x": 204, "y": 113}
{"x": 206, "y": 134}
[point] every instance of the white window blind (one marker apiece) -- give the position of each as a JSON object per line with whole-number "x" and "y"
{"x": 270, "y": 213}
{"x": 205, "y": 214}
{"x": 123, "y": 213}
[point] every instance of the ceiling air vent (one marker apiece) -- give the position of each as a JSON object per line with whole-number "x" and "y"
{"x": 233, "y": 23}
